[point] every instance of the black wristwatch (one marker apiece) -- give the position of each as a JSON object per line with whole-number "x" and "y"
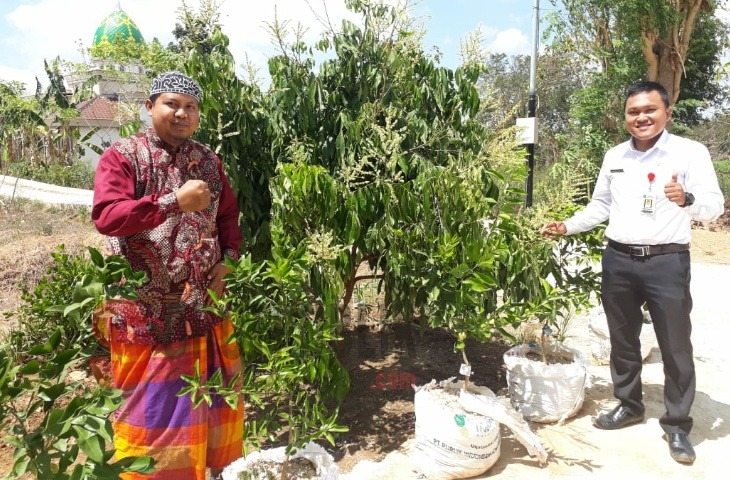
{"x": 689, "y": 199}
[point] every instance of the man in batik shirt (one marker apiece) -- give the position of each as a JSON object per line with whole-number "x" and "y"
{"x": 167, "y": 206}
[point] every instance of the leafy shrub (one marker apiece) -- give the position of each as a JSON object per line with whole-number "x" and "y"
{"x": 287, "y": 336}
{"x": 65, "y": 297}
{"x": 722, "y": 168}
{"x": 50, "y": 418}
{"x": 34, "y": 319}
{"x": 78, "y": 174}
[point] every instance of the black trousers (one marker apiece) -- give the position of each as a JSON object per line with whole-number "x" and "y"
{"x": 663, "y": 283}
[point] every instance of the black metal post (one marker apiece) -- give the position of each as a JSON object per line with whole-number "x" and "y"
{"x": 531, "y": 111}
{"x": 532, "y": 101}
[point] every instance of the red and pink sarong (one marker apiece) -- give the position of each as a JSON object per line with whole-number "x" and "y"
{"x": 154, "y": 421}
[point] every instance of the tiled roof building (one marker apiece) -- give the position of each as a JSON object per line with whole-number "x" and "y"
{"x": 119, "y": 88}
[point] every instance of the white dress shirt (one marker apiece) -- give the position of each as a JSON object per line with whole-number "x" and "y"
{"x": 622, "y": 189}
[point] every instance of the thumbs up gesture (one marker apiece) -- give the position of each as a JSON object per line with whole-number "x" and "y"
{"x": 674, "y": 191}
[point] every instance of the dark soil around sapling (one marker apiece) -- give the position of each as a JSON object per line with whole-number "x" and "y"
{"x": 564, "y": 358}
{"x": 384, "y": 363}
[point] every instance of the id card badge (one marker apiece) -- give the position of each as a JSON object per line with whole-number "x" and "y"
{"x": 648, "y": 200}
{"x": 648, "y": 206}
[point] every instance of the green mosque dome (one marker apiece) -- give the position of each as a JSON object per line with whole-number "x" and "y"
{"x": 118, "y": 26}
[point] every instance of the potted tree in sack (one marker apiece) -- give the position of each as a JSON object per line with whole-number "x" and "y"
{"x": 546, "y": 379}
{"x": 600, "y": 343}
{"x": 475, "y": 278}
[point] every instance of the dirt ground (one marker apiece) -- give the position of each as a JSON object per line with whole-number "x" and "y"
{"x": 385, "y": 359}
{"x": 578, "y": 450}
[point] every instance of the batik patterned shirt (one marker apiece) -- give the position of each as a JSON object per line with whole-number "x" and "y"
{"x": 135, "y": 205}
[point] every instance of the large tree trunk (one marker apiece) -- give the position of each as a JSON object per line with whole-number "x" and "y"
{"x": 666, "y": 52}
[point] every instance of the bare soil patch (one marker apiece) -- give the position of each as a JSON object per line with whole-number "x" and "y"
{"x": 29, "y": 233}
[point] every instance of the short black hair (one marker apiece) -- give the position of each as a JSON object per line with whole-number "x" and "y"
{"x": 645, "y": 86}
{"x": 154, "y": 97}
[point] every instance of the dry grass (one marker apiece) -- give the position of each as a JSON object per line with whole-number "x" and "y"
{"x": 29, "y": 233}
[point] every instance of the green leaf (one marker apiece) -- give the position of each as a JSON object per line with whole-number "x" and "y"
{"x": 30, "y": 368}
{"x": 142, "y": 465}
{"x": 96, "y": 257}
{"x": 460, "y": 270}
{"x": 481, "y": 282}
{"x": 90, "y": 443}
{"x": 50, "y": 345}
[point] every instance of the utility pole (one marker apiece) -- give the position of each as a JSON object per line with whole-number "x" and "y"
{"x": 532, "y": 103}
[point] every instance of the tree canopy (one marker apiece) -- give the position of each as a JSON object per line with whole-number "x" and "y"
{"x": 652, "y": 39}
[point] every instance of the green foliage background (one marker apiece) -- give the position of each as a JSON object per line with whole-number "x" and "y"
{"x": 373, "y": 155}
{"x": 722, "y": 168}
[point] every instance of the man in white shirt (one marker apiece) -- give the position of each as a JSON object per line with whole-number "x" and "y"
{"x": 649, "y": 188}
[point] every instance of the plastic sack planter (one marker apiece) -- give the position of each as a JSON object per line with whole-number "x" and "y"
{"x": 321, "y": 460}
{"x": 600, "y": 342}
{"x": 451, "y": 442}
{"x": 546, "y": 392}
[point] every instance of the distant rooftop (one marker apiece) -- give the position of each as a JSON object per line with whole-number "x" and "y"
{"x": 99, "y": 108}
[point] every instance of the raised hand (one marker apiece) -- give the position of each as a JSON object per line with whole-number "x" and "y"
{"x": 193, "y": 196}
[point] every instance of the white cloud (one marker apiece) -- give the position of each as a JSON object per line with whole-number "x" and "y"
{"x": 510, "y": 41}
{"x": 246, "y": 25}
{"x": 37, "y": 34}
{"x": 17, "y": 75}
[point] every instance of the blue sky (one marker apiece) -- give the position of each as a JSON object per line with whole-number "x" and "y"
{"x": 30, "y": 30}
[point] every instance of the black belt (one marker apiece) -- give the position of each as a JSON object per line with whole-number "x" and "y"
{"x": 648, "y": 250}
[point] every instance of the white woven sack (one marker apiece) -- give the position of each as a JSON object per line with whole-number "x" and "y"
{"x": 545, "y": 393}
{"x": 322, "y": 460}
{"x": 600, "y": 343}
{"x": 450, "y": 442}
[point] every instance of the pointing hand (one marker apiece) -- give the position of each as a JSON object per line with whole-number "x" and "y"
{"x": 553, "y": 229}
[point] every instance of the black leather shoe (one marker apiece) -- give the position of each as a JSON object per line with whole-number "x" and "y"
{"x": 617, "y": 418}
{"x": 679, "y": 448}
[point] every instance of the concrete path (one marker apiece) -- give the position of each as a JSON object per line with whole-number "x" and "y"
{"x": 12, "y": 187}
